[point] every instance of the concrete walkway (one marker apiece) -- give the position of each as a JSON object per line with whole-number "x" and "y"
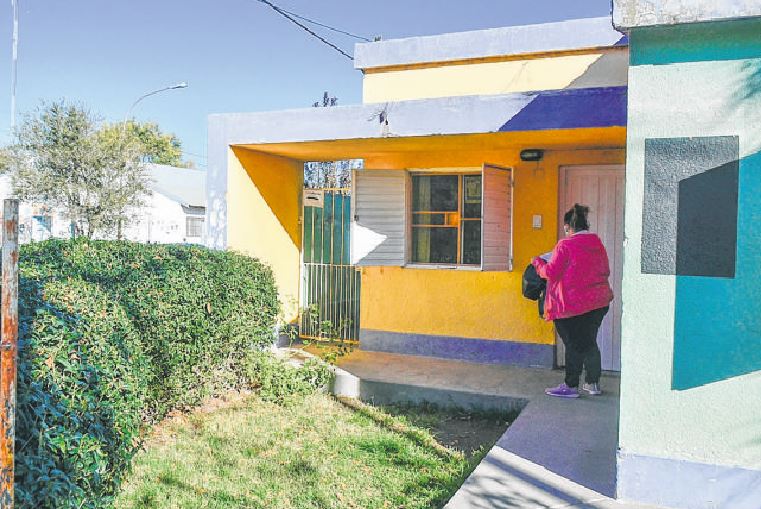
{"x": 557, "y": 454}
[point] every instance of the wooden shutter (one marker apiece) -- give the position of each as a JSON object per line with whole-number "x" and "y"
{"x": 497, "y": 218}
{"x": 379, "y": 224}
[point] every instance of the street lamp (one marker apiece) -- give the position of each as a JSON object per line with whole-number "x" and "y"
{"x": 181, "y": 84}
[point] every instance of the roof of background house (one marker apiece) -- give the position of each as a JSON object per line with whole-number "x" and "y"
{"x": 569, "y": 35}
{"x": 184, "y": 185}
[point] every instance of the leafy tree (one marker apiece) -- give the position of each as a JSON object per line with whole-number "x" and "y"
{"x": 4, "y": 160}
{"x": 327, "y": 101}
{"x": 157, "y": 147}
{"x": 62, "y": 159}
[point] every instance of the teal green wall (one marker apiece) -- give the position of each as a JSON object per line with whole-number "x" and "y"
{"x": 703, "y": 42}
{"x": 691, "y": 345}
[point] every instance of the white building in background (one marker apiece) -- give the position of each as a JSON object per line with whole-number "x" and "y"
{"x": 174, "y": 212}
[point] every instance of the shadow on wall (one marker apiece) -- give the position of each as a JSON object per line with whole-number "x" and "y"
{"x": 706, "y": 223}
{"x": 610, "y": 63}
{"x": 702, "y": 206}
{"x": 751, "y": 82}
{"x": 278, "y": 180}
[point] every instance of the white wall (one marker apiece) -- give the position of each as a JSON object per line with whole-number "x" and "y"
{"x": 161, "y": 221}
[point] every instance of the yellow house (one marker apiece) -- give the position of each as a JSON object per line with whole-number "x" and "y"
{"x": 472, "y": 145}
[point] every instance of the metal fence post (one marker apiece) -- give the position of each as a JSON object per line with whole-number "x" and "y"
{"x": 8, "y": 350}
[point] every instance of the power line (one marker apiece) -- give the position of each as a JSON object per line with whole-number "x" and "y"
{"x": 311, "y": 32}
{"x": 334, "y": 29}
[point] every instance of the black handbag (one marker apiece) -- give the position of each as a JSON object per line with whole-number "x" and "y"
{"x": 533, "y": 287}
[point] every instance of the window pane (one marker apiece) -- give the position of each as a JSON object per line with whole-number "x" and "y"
{"x": 437, "y": 193}
{"x": 471, "y": 242}
{"x": 471, "y": 196}
{"x": 194, "y": 226}
{"x": 434, "y": 245}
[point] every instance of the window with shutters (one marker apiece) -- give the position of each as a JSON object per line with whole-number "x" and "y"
{"x": 457, "y": 218}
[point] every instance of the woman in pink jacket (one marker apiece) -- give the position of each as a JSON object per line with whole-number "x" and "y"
{"x": 577, "y": 299}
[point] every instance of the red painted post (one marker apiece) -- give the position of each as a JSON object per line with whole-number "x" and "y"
{"x": 8, "y": 350}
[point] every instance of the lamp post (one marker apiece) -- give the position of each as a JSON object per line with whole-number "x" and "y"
{"x": 182, "y": 84}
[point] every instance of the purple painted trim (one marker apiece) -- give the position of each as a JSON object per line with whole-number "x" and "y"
{"x": 571, "y": 109}
{"x": 487, "y": 351}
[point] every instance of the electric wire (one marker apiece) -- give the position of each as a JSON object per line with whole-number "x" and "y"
{"x": 334, "y": 29}
{"x": 311, "y": 32}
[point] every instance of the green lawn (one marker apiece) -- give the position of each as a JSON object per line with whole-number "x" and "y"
{"x": 314, "y": 453}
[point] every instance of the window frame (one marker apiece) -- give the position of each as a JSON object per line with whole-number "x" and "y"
{"x": 442, "y": 172}
{"x": 200, "y": 221}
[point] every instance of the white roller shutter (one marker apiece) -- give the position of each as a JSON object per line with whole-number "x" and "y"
{"x": 497, "y": 218}
{"x": 379, "y": 223}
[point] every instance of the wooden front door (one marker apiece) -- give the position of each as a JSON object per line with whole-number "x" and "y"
{"x": 601, "y": 188}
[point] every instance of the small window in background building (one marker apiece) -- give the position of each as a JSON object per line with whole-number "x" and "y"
{"x": 194, "y": 226}
{"x": 42, "y": 226}
{"x": 446, "y": 219}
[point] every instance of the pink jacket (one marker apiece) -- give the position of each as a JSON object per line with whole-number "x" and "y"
{"x": 577, "y": 277}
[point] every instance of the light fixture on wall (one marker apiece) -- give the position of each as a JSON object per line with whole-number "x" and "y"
{"x": 532, "y": 154}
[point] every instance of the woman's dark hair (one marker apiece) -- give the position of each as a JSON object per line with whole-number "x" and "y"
{"x": 576, "y": 218}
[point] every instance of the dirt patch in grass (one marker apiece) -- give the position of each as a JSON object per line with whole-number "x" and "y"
{"x": 468, "y": 431}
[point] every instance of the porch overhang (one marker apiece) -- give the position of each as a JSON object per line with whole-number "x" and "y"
{"x": 382, "y": 134}
{"x": 351, "y": 131}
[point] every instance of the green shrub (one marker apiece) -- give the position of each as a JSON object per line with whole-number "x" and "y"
{"x": 113, "y": 336}
{"x": 277, "y": 381}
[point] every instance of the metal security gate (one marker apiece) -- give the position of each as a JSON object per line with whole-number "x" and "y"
{"x": 330, "y": 285}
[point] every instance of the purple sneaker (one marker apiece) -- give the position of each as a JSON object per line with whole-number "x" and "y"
{"x": 562, "y": 391}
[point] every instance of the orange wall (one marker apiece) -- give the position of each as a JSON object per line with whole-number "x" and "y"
{"x": 471, "y": 303}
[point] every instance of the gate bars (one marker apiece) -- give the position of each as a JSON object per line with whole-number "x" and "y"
{"x": 8, "y": 350}
{"x": 330, "y": 284}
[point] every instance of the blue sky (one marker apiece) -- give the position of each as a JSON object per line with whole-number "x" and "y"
{"x": 236, "y": 55}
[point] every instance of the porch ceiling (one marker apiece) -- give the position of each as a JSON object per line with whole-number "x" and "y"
{"x": 373, "y": 148}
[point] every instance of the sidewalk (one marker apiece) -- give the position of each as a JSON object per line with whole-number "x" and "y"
{"x": 557, "y": 454}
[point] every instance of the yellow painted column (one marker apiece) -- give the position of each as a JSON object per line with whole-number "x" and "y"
{"x": 263, "y": 210}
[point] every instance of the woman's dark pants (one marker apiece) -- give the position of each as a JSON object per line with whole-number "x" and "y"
{"x": 579, "y": 334}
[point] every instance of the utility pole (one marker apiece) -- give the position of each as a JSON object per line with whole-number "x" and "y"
{"x": 8, "y": 351}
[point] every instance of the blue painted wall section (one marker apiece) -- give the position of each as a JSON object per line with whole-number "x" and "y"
{"x": 718, "y": 321}
{"x": 571, "y": 109}
{"x": 466, "y": 349}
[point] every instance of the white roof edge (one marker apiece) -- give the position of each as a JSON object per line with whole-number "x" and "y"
{"x": 494, "y": 42}
{"x": 186, "y": 186}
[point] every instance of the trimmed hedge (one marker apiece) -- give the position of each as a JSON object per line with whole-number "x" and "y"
{"x": 113, "y": 336}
